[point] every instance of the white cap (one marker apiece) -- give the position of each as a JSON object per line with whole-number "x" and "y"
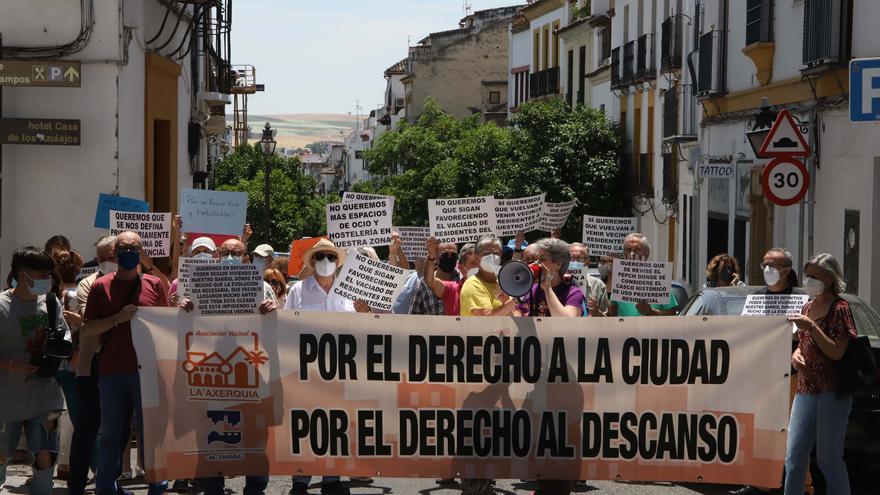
{"x": 263, "y": 250}
{"x": 205, "y": 242}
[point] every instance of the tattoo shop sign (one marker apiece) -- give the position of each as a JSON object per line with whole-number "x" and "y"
{"x": 462, "y": 219}
{"x": 372, "y": 281}
{"x": 153, "y": 228}
{"x": 360, "y": 223}
{"x": 641, "y": 281}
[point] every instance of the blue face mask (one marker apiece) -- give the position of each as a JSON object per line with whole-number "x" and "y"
{"x": 128, "y": 260}
{"x": 575, "y": 265}
{"x": 41, "y": 287}
{"x": 231, "y": 260}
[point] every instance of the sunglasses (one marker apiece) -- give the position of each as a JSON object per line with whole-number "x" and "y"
{"x": 128, "y": 249}
{"x": 320, "y": 256}
{"x": 275, "y": 283}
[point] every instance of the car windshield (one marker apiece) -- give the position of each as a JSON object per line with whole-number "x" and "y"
{"x": 867, "y": 321}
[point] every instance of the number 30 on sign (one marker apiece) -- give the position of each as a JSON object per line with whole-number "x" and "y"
{"x": 785, "y": 181}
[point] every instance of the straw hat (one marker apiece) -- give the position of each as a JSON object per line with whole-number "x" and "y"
{"x": 324, "y": 246}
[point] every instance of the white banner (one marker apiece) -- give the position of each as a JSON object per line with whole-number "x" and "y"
{"x": 604, "y": 236}
{"x": 223, "y": 289}
{"x": 374, "y": 282}
{"x": 154, "y": 229}
{"x": 412, "y": 240}
{"x": 360, "y": 223}
{"x": 555, "y": 215}
{"x": 356, "y": 196}
{"x": 521, "y": 214}
{"x": 774, "y": 304}
{"x": 462, "y": 219}
{"x": 641, "y": 281}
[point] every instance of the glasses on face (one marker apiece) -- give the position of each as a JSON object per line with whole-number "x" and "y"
{"x": 778, "y": 266}
{"x": 275, "y": 283}
{"x": 128, "y": 249}
{"x": 331, "y": 257}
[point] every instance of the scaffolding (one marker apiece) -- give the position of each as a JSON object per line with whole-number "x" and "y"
{"x": 244, "y": 84}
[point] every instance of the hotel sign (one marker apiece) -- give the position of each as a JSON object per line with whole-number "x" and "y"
{"x": 64, "y": 132}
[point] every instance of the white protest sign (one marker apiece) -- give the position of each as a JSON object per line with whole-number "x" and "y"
{"x": 521, "y": 214}
{"x": 374, "y": 282}
{"x": 774, "y": 304}
{"x": 154, "y": 229}
{"x": 412, "y": 240}
{"x": 554, "y": 215}
{"x": 604, "y": 236}
{"x": 184, "y": 273}
{"x": 87, "y": 271}
{"x": 224, "y": 289}
{"x": 462, "y": 219}
{"x": 360, "y": 223}
{"x": 579, "y": 278}
{"x": 213, "y": 212}
{"x": 641, "y": 281}
{"x": 355, "y": 196}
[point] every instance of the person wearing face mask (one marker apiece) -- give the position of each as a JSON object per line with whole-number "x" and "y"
{"x": 636, "y": 247}
{"x": 819, "y": 415}
{"x": 202, "y": 248}
{"x": 233, "y": 252}
{"x": 29, "y": 402}
{"x": 723, "y": 271}
{"x": 262, "y": 257}
{"x": 597, "y": 299}
{"x": 480, "y": 294}
{"x": 551, "y": 295}
{"x": 112, "y": 303}
{"x": 442, "y": 277}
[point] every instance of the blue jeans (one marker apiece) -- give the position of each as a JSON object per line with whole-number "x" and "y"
{"x": 253, "y": 485}
{"x": 819, "y": 419}
{"x": 42, "y": 435}
{"x": 119, "y": 395}
{"x": 308, "y": 479}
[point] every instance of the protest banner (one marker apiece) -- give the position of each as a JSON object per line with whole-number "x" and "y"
{"x": 774, "y": 304}
{"x": 521, "y": 214}
{"x": 375, "y": 282}
{"x": 554, "y": 215}
{"x": 107, "y": 202}
{"x": 412, "y": 241}
{"x": 604, "y": 236}
{"x": 297, "y": 249}
{"x": 462, "y": 219}
{"x": 360, "y": 223}
{"x": 348, "y": 196}
{"x": 579, "y": 278}
{"x": 184, "y": 273}
{"x": 642, "y": 399}
{"x": 154, "y": 229}
{"x": 225, "y": 289}
{"x": 215, "y": 212}
{"x": 641, "y": 281}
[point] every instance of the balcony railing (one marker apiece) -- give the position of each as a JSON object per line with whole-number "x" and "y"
{"x": 670, "y": 112}
{"x": 628, "y": 61}
{"x": 543, "y": 83}
{"x": 645, "y": 66}
{"x": 670, "y": 44}
{"x": 615, "y": 68}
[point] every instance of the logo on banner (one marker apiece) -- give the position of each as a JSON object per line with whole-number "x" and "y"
{"x": 213, "y": 376}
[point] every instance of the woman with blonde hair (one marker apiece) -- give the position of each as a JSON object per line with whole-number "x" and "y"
{"x": 276, "y": 280}
{"x": 723, "y": 271}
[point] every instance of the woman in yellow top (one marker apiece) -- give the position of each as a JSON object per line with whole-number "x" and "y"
{"x": 480, "y": 295}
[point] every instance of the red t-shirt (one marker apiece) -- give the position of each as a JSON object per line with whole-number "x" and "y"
{"x": 819, "y": 376}
{"x": 107, "y": 297}
{"x": 451, "y": 296}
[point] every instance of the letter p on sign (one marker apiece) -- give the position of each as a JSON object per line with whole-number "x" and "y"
{"x": 864, "y": 90}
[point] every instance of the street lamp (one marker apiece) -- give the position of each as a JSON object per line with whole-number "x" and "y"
{"x": 267, "y": 147}
{"x": 761, "y": 128}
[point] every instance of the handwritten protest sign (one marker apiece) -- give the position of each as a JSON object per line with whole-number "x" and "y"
{"x": 154, "y": 229}
{"x": 214, "y": 212}
{"x": 297, "y": 249}
{"x": 604, "y": 236}
{"x": 642, "y": 281}
{"x": 374, "y": 282}
{"x": 412, "y": 240}
{"x": 521, "y": 214}
{"x": 462, "y": 219}
{"x": 554, "y": 215}
{"x": 360, "y": 223}
{"x": 184, "y": 273}
{"x": 356, "y": 196}
{"x": 774, "y": 304}
{"x": 107, "y": 202}
{"x": 224, "y": 289}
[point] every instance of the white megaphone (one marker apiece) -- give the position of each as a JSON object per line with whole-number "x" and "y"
{"x": 516, "y": 278}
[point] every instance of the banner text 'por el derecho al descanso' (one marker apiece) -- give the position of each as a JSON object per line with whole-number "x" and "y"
{"x": 674, "y": 399}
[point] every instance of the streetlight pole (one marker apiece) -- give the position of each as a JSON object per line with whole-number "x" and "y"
{"x": 267, "y": 147}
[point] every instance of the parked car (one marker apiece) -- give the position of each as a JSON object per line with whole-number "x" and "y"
{"x": 863, "y": 435}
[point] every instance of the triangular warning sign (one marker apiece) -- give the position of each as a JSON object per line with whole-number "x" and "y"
{"x": 785, "y": 138}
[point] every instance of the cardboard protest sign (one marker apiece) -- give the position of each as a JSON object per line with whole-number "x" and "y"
{"x": 412, "y": 240}
{"x": 360, "y": 223}
{"x": 297, "y": 249}
{"x": 107, "y": 202}
{"x": 462, "y": 219}
{"x": 154, "y": 229}
{"x": 356, "y": 196}
{"x": 184, "y": 273}
{"x": 554, "y": 215}
{"x": 774, "y": 304}
{"x": 374, "y": 282}
{"x": 216, "y": 212}
{"x": 225, "y": 289}
{"x": 521, "y": 214}
{"x": 641, "y": 281}
{"x": 604, "y": 236}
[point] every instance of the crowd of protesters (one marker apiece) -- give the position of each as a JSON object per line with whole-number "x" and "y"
{"x": 99, "y": 386}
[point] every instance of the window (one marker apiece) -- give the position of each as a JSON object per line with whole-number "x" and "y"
{"x": 605, "y": 43}
{"x": 555, "y": 28}
{"x": 358, "y": 155}
{"x": 827, "y": 30}
{"x": 759, "y": 21}
{"x": 569, "y": 97}
{"x": 582, "y": 73}
{"x": 494, "y": 97}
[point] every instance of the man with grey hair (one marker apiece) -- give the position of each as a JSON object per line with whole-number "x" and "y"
{"x": 637, "y": 247}
{"x": 597, "y": 292}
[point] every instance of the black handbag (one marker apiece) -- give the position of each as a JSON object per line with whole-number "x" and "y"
{"x": 856, "y": 371}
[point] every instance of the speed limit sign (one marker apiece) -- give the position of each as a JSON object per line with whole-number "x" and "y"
{"x": 785, "y": 181}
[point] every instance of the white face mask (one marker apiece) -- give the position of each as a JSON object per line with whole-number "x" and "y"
{"x": 813, "y": 286}
{"x": 771, "y": 276}
{"x": 325, "y": 267}
{"x": 108, "y": 267}
{"x": 491, "y": 263}
{"x": 203, "y": 256}
{"x": 259, "y": 262}
{"x": 472, "y": 272}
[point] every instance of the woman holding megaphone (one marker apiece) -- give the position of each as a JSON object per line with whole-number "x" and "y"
{"x": 550, "y": 294}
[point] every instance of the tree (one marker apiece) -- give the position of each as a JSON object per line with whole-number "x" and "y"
{"x": 297, "y": 210}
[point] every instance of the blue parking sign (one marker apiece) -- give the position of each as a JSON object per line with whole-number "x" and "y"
{"x": 864, "y": 90}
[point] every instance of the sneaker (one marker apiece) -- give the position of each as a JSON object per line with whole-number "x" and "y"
{"x": 299, "y": 489}
{"x": 335, "y": 488}
{"x": 748, "y": 490}
{"x": 126, "y": 476}
{"x": 361, "y": 479}
{"x": 446, "y": 481}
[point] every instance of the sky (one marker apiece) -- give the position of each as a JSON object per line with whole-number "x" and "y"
{"x": 324, "y": 56}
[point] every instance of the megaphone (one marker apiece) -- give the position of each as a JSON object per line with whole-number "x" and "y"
{"x": 516, "y": 278}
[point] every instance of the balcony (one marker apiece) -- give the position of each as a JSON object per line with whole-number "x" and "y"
{"x": 670, "y": 112}
{"x": 628, "y": 60}
{"x": 615, "y": 68}
{"x": 670, "y": 178}
{"x": 645, "y": 65}
{"x": 711, "y": 73}
{"x": 670, "y": 44}
{"x": 544, "y": 83}
{"x": 827, "y": 24}
{"x": 679, "y": 114}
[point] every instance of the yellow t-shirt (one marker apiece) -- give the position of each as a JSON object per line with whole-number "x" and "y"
{"x": 476, "y": 294}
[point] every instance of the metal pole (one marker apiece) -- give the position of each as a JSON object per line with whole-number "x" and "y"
{"x": 266, "y": 195}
